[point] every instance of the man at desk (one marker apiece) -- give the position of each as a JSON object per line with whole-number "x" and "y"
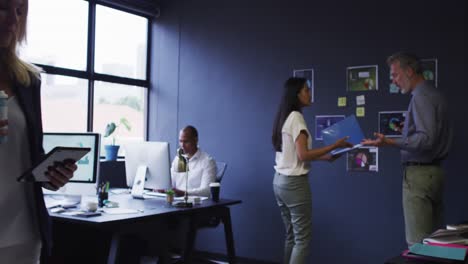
{"x": 201, "y": 166}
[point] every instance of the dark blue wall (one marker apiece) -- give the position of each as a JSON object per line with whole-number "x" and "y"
{"x": 220, "y": 65}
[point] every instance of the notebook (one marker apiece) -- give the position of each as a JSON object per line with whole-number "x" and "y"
{"x": 346, "y": 127}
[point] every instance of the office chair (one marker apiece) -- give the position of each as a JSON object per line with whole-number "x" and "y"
{"x": 209, "y": 221}
{"x": 221, "y": 168}
{"x": 212, "y": 221}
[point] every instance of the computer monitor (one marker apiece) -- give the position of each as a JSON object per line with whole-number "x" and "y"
{"x": 86, "y": 176}
{"x": 152, "y": 155}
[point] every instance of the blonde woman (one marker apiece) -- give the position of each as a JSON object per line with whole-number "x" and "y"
{"x": 24, "y": 222}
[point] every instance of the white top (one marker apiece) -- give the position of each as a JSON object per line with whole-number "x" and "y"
{"x": 202, "y": 172}
{"x": 17, "y": 218}
{"x": 287, "y": 161}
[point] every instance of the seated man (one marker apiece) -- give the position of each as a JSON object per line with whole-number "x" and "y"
{"x": 201, "y": 166}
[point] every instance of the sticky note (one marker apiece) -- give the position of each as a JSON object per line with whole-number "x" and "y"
{"x": 341, "y": 101}
{"x": 360, "y": 111}
{"x": 360, "y": 100}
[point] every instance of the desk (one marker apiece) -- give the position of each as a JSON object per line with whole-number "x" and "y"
{"x": 152, "y": 210}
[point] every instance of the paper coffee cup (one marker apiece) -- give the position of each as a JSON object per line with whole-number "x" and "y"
{"x": 214, "y": 188}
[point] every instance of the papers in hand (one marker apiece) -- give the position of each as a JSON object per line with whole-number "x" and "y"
{"x": 344, "y": 150}
{"x": 348, "y": 127}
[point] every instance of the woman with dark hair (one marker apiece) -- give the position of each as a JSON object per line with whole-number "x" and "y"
{"x": 292, "y": 142}
{"x": 24, "y": 223}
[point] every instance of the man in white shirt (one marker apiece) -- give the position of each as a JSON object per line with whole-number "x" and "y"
{"x": 201, "y": 166}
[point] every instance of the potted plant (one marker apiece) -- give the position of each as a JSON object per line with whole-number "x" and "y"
{"x": 113, "y": 149}
{"x": 170, "y": 196}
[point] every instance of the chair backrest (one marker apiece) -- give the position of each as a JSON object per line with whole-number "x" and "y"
{"x": 221, "y": 169}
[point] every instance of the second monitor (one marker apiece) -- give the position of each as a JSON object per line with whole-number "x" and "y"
{"x": 147, "y": 165}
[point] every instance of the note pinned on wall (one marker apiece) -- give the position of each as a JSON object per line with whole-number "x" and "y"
{"x": 360, "y": 111}
{"x": 341, "y": 101}
{"x": 360, "y": 100}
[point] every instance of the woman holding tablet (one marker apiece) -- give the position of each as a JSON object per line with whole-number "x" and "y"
{"x": 24, "y": 222}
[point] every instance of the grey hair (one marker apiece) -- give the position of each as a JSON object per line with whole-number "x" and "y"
{"x": 406, "y": 60}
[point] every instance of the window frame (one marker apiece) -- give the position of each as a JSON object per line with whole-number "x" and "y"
{"x": 90, "y": 75}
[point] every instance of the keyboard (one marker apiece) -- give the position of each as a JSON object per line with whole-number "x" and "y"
{"x": 179, "y": 198}
{"x": 157, "y": 194}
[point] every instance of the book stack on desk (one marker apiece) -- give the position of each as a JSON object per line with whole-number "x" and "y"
{"x": 442, "y": 246}
{"x": 457, "y": 236}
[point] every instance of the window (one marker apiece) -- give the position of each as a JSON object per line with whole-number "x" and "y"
{"x": 57, "y": 33}
{"x": 95, "y": 66}
{"x": 122, "y": 32}
{"x": 64, "y": 103}
{"x": 114, "y": 101}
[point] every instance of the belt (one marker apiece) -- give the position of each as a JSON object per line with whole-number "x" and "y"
{"x": 415, "y": 163}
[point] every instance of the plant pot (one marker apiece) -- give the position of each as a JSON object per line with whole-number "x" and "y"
{"x": 169, "y": 198}
{"x": 111, "y": 152}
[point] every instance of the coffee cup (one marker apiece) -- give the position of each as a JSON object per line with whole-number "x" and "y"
{"x": 215, "y": 188}
{"x": 91, "y": 206}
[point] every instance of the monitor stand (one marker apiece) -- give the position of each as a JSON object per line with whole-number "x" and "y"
{"x": 139, "y": 182}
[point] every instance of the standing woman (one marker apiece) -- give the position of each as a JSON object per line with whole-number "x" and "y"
{"x": 24, "y": 222}
{"x": 293, "y": 144}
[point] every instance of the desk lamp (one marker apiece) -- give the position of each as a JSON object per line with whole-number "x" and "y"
{"x": 185, "y": 159}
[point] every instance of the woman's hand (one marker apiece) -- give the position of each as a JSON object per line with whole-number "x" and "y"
{"x": 61, "y": 173}
{"x": 342, "y": 143}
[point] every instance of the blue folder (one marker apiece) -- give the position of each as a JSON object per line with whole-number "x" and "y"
{"x": 346, "y": 127}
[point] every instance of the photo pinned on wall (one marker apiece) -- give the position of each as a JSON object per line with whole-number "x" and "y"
{"x": 393, "y": 87}
{"x": 429, "y": 70}
{"x": 308, "y": 74}
{"x": 325, "y": 121}
{"x": 391, "y": 123}
{"x": 362, "y": 78}
{"x": 363, "y": 159}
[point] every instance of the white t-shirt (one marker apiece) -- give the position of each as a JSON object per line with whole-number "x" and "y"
{"x": 17, "y": 220}
{"x": 202, "y": 172}
{"x": 287, "y": 161}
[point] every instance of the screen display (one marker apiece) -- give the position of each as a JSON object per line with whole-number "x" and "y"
{"x": 86, "y": 171}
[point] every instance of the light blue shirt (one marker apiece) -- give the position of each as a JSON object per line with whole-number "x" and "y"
{"x": 427, "y": 134}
